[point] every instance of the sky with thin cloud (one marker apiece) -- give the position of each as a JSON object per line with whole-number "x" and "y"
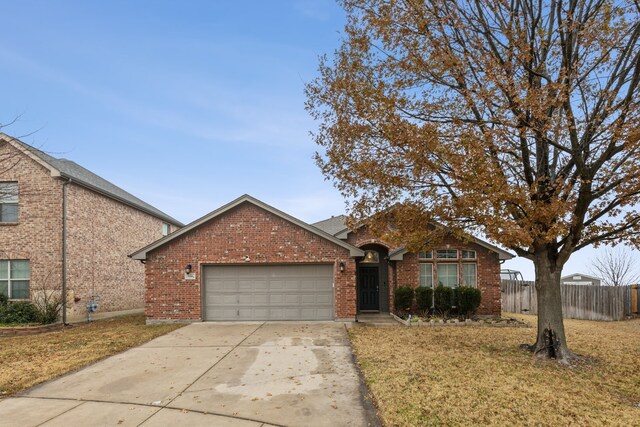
{"x": 185, "y": 104}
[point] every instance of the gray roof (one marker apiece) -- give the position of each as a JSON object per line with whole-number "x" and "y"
{"x": 569, "y": 277}
{"x": 336, "y": 225}
{"x": 141, "y": 254}
{"x": 333, "y": 225}
{"x": 86, "y": 178}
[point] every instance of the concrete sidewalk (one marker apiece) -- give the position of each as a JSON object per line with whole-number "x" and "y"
{"x": 208, "y": 374}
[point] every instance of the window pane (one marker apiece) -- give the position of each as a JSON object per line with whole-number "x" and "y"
{"x": 4, "y": 269}
{"x": 426, "y": 274}
{"x": 448, "y": 274}
{"x": 9, "y": 212}
{"x": 20, "y": 269}
{"x": 8, "y": 192}
{"x": 165, "y": 228}
{"x": 20, "y": 289}
{"x": 469, "y": 276}
{"x": 469, "y": 254}
{"x": 4, "y": 287}
{"x": 447, "y": 254}
{"x": 425, "y": 255}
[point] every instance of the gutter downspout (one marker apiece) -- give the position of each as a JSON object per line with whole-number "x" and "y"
{"x": 64, "y": 251}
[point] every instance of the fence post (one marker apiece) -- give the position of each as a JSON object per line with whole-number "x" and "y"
{"x": 635, "y": 290}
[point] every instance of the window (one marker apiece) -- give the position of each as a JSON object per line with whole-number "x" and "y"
{"x": 425, "y": 255}
{"x": 14, "y": 278}
{"x": 447, "y": 254}
{"x": 468, "y": 254}
{"x": 426, "y": 274}
{"x": 448, "y": 274}
{"x": 165, "y": 229}
{"x": 8, "y": 202}
{"x": 469, "y": 274}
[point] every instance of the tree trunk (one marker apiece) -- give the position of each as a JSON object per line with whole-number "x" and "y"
{"x": 551, "y": 342}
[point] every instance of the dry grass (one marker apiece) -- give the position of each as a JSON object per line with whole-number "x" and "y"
{"x": 29, "y": 360}
{"x": 425, "y": 376}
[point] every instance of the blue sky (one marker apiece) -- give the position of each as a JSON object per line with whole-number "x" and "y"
{"x": 186, "y": 105}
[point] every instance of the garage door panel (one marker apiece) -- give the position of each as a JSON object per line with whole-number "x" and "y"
{"x": 291, "y": 299}
{"x": 275, "y": 292}
{"x": 324, "y": 299}
{"x": 309, "y": 299}
{"x": 276, "y": 299}
{"x": 276, "y": 314}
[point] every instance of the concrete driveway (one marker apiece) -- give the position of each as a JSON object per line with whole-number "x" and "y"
{"x": 209, "y": 374}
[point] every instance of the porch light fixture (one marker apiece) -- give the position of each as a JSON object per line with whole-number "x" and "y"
{"x": 341, "y": 267}
{"x": 188, "y": 269}
{"x": 371, "y": 257}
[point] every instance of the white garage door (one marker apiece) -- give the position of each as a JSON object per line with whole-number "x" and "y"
{"x": 268, "y": 292}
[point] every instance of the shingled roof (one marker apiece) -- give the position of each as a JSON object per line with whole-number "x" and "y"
{"x": 84, "y": 177}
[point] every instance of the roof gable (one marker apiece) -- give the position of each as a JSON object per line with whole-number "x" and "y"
{"x": 337, "y": 226}
{"x": 141, "y": 254}
{"x": 75, "y": 173}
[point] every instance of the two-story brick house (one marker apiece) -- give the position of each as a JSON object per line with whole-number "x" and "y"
{"x": 63, "y": 228}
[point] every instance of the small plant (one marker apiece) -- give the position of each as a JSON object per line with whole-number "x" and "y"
{"x": 424, "y": 299}
{"x": 444, "y": 300}
{"x": 403, "y": 299}
{"x": 468, "y": 300}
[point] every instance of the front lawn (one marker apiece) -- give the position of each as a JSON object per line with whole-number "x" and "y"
{"x": 422, "y": 376}
{"x": 29, "y": 360}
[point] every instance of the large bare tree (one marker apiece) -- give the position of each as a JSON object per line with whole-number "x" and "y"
{"x": 616, "y": 267}
{"x": 518, "y": 119}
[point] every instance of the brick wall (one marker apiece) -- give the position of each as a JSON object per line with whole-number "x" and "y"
{"x": 407, "y": 271}
{"x": 38, "y": 234}
{"x": 246, "y": 230}
{"x": 101, "y": 233}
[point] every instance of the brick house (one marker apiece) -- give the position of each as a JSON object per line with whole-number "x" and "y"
{"x": 250, "y": 261}
{"x": 63, "y": 228}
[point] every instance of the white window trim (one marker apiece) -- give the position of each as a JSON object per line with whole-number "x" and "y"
{"x": 9, "y": 279}
{"x": 457, "y": 273}
{"x": 420, "y": 274}
{"x": 475, "y": 254}
{"x": 11, "y": 200}
{"x": 448, "y": 259}
{"x": 476, "y": 273}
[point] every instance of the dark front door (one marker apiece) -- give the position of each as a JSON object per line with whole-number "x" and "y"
{"x": 369, "y": 289}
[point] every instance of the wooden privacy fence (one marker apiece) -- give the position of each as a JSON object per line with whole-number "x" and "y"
{"x": 578, "y": 302}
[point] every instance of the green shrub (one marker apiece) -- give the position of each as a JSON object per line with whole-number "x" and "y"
{"x": 4, "y": 300}
{"x": 444, "y": 299}
{"x": 403, "y": 299}
{"x": 468, "y": 300}
{"x": 19, "y": 312}
{"x": 424, "y": 298}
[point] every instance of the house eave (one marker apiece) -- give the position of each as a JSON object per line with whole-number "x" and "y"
{"x": 141, "y": 254}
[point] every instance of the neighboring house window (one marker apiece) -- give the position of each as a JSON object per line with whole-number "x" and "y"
{"x": 426, "y": 274}
{"x": 448, "y": 274}
{"x": 14, "y": 278}
{"x": 447, "y": 254}
{"x": 469, "y": 274}
{"x": 8, "y": 202}
{"x": 165, "y": 229}
{"x": 468, "y": 254}
{"x": 425, "y": 255}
